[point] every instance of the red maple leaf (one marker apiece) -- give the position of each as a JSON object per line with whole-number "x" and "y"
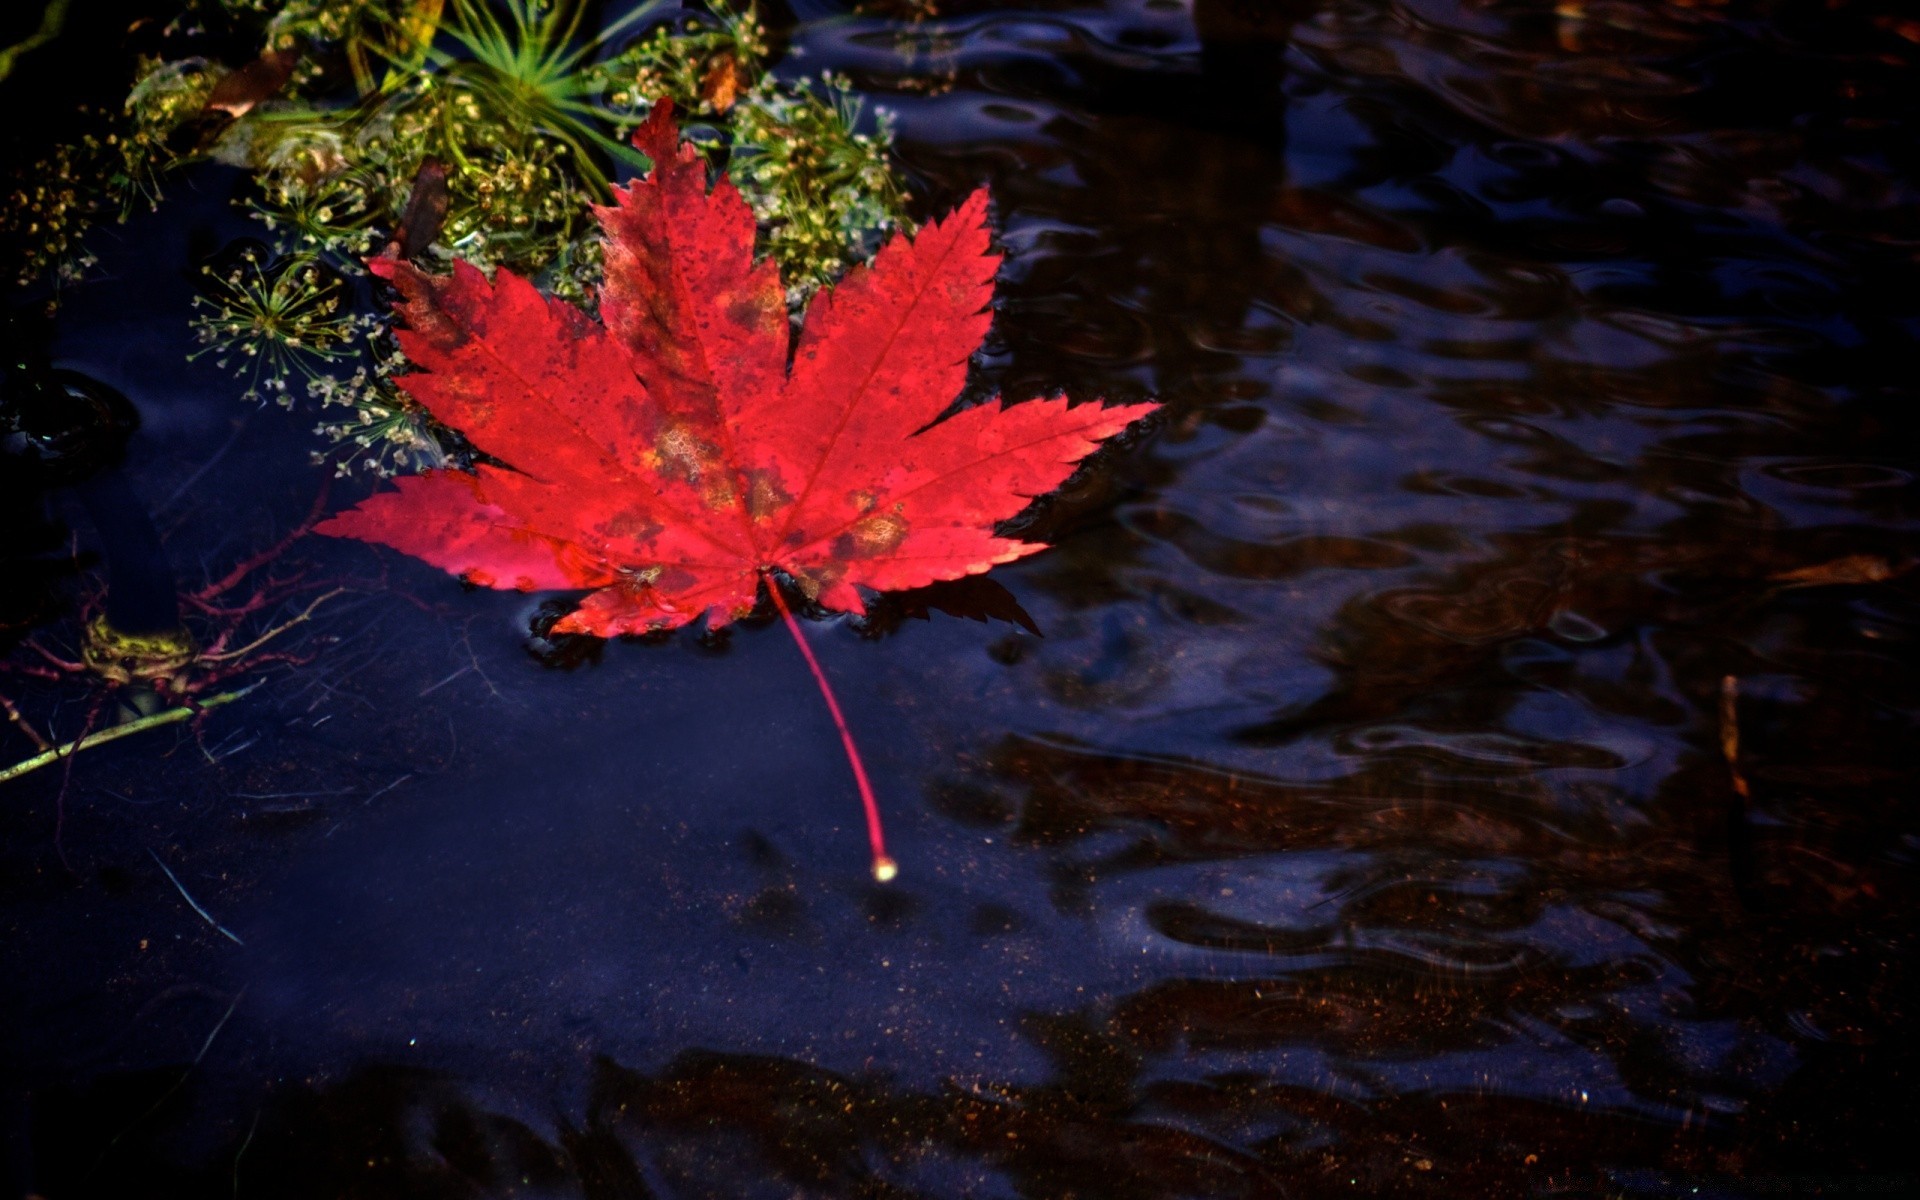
{"x": 672, "y": 460}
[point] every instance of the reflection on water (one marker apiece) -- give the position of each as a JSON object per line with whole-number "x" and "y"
{"x": 1360, "y": 824}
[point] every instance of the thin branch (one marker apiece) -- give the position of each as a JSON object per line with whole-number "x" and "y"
{"x": 177, "y": 1084}
{"x": 191, "y": 902}
{"x": 275, "y": 632}
{"x": 239, "y": 427}
{"x": 383, "y": 791}
{"x": 13, "y": 714}
{"x": 242, "y": 1153}
{"x": 434, "y": 687}
{"x": 137, "y": 725}
{"x": 66, "y": 781}
{"x": 61, "y": 664}
{"x": 249, "y": 566}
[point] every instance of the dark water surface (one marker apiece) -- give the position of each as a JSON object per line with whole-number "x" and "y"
{"x": 1360, "y": 825}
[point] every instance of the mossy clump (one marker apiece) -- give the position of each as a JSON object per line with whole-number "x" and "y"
{"x": 525, "y": 109}
{"x": 824, "y": 192}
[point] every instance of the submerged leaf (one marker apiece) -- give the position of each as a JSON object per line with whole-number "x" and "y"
{"x": 1854, "y": 568}
{"x": 721, "y": 85}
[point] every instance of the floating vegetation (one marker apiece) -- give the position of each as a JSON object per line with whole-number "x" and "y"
{"x": 107, "y": 171}
{"x": 229, "y": 627}
{"x": 269, "y": 319}
{"x": 371, "y": 425}
{"x": 276, "y": 320}
{"x": 527, "y": 107}
{"x": 703, "y": 62}
{"x": 824, "y": 192}
{"x": 46, "y": 213}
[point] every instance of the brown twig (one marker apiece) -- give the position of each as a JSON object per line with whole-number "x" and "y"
{"x": 26, "y": 727}
{"x": 248, "y": 566}
{"x": 304, "y": 615}
{"x": 1730, "y": 733}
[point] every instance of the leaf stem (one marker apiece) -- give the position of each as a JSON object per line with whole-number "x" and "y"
{"x": 884, "y": 868}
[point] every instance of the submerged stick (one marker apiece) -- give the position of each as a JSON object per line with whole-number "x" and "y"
{"x": 167, "y": 716}
{"x": 884, "y": 868}
{"x": 177, "y": 1084}
{"x": 194, "y": 904}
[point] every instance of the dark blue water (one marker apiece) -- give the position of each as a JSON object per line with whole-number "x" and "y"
{"x": 1360, "y": 825}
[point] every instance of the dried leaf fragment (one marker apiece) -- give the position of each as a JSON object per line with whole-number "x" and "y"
{"x": 1854, "y": 568}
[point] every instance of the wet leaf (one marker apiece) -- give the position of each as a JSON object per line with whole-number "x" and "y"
{"x": 721, "y": 85}
{"x": 425, "y": 213}
{"x": 1854, "y": 568}
{"x": 259, "y": 80}
{"x": 669, "y": 459}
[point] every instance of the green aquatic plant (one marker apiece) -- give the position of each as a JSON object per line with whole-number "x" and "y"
{"x": 271, "y": 318}
{"x": 514, "y": 198}
{"x": 367, "y": 33}
{"x": 108, "y": 170}
{"x": 336, "y": 211}
{"x": 275, "y": 320}
{"x": 704, "y": 61}
{"x": 370, "y": 424}
{"x": 506, "y": 104}
{"x": 824, "y": 191}
{"x": 527, "y": 108}
{"x": 523, "y": 75}
{"x": 166, "y": 96}
{"x": 48, "y": 209}
{"x": 53, "y": 18}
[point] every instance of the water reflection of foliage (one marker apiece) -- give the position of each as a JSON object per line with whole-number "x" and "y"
{"x": 1455, "y": 884}
{"x": 236, "y": 624}
{"x": 719, "y": 1124}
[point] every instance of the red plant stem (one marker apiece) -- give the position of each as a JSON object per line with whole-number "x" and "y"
{"x": 884, "y": 868}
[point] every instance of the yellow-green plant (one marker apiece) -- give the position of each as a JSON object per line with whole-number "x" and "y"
{"x": 704, "y": 61}
{"x": 53, "y": 18}
{"x": 271, "y": 318}
{"x": 824, "y": 191}
{"x": 370, "y": 34}
{"x": 528, "y": 111}
{"x": 524, "y": 74}
{"x": 369, "y": 423}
